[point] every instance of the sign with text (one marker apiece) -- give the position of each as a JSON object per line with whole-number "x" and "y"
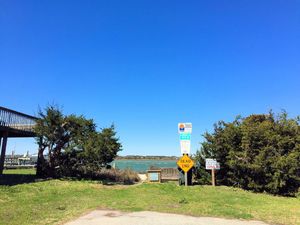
{"x": 185, "y": 146}
{"x": 154, "y": 175}
{"x": 185, "y": 136}
{"x": 212, "y": 164}
{"x": 185, "y": 128}
{"x": 185, "y": 163}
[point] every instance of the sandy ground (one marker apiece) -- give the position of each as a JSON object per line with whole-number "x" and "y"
{"x": 109, "y": 217}
{"x": 143, "y": 177}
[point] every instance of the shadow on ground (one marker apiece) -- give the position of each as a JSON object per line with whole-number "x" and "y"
{"x": 15, "y": 179}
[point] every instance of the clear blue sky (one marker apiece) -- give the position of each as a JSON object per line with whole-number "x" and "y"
{"x": 147, "y": 65}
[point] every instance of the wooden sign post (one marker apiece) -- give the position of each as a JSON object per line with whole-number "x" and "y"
{"x": 213, "y": 180}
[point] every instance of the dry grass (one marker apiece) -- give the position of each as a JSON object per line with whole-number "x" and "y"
{"x": 126, "y": 176}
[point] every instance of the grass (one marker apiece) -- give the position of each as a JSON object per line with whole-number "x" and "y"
{"x": 57, "y": 201}
{"x": 20, "y": 171}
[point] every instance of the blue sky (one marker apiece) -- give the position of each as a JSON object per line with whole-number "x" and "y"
{"x": 147, "y": 65}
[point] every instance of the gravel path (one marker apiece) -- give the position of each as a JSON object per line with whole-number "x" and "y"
{"x": 109, "y": 217}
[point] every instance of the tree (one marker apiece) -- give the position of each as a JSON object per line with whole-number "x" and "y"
{"x": 50, "y": 135}
{"x": 72, "y": 141}
{"x": 259, "y": 152}
{"x": 101, "y": 147}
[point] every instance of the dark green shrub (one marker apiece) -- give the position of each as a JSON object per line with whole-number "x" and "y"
{"x": 259, "y": 153}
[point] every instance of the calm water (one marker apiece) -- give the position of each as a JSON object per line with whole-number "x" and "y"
{"x": 143, "y": 165}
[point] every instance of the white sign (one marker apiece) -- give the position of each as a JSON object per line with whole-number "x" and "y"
{"x": 185, "y": 146}
{"x": 212, "y": 164}
{"x": 185, "y": 128}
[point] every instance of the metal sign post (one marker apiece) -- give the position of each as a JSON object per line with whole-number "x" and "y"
{"x": 185, "y": 162}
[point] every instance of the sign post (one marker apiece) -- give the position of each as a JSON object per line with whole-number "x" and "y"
{"x": 185, "y": 131}
{"x": 212, "y": 164}
{"x": 185, "y": 179}
{"x": 185, "y": 162}
{"x": 213, "y": 180}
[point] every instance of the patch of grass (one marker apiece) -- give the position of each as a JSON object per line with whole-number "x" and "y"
{"x": 20, "y": 171}
{"x": 56, "y": 201}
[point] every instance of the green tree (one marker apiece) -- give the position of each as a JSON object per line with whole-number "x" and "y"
{"x": 72, "y": 142}
{"x": 51, "y": 136}
{"x": 101, "y": 147}
{"x": 259, "y": 152}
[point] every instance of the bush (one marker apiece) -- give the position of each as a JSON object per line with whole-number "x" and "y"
{"x": 259, "y": 153}
{"x": 115, "y": 175}
{"x": 95, "y": 172}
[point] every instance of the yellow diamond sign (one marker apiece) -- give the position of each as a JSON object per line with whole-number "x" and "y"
{"x": 185, "y": 163}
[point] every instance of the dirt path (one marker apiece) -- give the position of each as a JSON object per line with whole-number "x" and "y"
{"x": 110, "y": 217}
{"x": 143, "y": 177}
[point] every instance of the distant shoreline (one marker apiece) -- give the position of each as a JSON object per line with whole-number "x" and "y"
{"x": 123, "y": 159}
{"x": 158, "y": 158}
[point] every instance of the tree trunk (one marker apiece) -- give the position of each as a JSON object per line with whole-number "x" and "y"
{"x": 41, "y": 162}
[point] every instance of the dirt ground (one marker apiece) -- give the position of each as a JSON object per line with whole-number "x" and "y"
{"x": 110, "y": 217}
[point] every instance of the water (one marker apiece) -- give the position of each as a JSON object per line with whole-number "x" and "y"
{"x": 142, "y": 166}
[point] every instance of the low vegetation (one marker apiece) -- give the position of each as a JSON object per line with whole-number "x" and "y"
{"x": 126, "y": 176}
{"x": 57, "y": 200}
{"x": 107, "y": 176}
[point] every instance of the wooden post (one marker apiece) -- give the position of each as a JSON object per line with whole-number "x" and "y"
{"x": 0, "y": 143}
{"x": 213, "y": 181}
{"x": 3, "y": 150}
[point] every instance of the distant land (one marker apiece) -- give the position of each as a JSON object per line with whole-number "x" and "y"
{"x": 146, "y": 157}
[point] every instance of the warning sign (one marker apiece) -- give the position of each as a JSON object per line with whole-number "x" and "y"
{"x": 185, "y": 163}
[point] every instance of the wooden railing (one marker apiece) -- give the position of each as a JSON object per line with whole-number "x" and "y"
{"x": 169, "y": 174}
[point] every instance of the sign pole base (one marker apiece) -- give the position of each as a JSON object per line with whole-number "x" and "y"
{"x": 186, "y": 179}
